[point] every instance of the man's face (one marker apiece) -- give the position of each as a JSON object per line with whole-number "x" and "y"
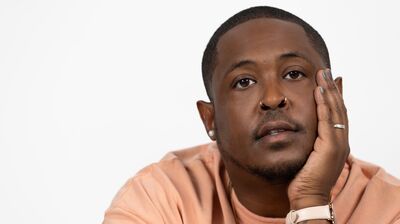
{"x": 266, "y": 60}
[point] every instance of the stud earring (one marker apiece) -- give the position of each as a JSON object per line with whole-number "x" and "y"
{"x": 211, "y": 133}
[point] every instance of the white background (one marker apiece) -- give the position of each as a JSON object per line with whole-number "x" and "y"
{"x": 93, "y": 90}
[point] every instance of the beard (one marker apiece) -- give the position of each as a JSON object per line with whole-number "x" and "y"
{"x": 282, "y": 172}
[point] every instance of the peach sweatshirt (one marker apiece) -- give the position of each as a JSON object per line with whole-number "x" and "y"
{"x": 190, "y": 186}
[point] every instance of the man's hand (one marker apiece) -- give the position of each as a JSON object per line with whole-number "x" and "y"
{"x": 312, "y": 185}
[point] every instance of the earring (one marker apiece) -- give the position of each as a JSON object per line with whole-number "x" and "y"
{"x": 211, "y": 133}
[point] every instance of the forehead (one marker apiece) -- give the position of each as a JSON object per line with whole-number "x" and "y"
{"x": 263, "y": 40}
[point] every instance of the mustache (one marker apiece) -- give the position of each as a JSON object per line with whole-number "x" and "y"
{"x": 276, "y": 115}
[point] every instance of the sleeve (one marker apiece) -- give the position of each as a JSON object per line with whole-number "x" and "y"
{"x": 143, "y": 200}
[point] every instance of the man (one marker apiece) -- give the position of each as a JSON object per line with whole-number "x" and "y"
{"x": 281, "y": 151}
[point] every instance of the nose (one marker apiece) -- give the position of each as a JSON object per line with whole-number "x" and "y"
{"x": 281, "y": 104}
{"x": 273, "y": 99}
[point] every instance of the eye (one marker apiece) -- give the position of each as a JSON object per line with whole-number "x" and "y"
{"x": 294, "y": 75}
{"x": 244, "y": 83}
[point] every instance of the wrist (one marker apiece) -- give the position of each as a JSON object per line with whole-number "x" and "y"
{"x": 315, "y": 214}
{"x": 310, "y": 201}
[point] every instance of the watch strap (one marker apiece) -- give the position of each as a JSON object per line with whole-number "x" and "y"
{"x": 324, "y": 212}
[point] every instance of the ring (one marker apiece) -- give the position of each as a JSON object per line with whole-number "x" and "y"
{"x": 339, "y": 126}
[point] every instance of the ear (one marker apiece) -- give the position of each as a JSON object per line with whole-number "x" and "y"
{"x": 206, "y": 111}
{"x": 339, "y": 84}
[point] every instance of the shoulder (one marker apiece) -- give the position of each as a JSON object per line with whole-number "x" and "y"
{"x": 369, "y": 194}
{"x": 176, "y": 166}
{"x": 160, "y": 188}
{"x": 375, "y": 174}
{"x": 179, "y": 163}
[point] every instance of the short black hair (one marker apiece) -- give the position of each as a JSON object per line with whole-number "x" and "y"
{"x": 210, "y": 53}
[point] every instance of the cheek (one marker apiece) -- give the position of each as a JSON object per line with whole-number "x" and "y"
{"x": 306, "y": 111}
{"x": 236, "y": 112}
{"x": 235, "y": 119}
{"x": 304, "y": 107}
{"x": 311, "y": 114}
{"x": 235, "y": 122}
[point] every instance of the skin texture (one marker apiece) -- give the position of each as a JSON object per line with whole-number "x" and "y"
{"x": 268, "y": 60}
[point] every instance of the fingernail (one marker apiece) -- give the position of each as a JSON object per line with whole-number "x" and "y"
{"x": 329, "y": 74}
{"x": 321, "y": 90}
{"x": 324, "y": 75}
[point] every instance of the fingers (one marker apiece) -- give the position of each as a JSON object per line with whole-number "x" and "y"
{"x": 330, "y": 105}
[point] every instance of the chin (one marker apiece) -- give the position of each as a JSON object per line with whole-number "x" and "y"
{"x": 280, "y": 172}
{"x": 279, "y": 166}
{"x": 274, "y": 162}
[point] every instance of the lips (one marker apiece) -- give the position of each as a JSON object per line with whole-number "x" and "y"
{"x": 274, "y": 128}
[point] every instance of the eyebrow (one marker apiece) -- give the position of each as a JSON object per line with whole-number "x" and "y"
{"x": 239, "y": 64}
{"x": 284, "y": 56}
{"x": 294, "y": 54}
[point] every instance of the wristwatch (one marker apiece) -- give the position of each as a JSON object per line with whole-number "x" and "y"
{"x": 311, "y": 213}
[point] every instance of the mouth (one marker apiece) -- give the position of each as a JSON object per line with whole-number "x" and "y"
{"x": 276, "y": 130}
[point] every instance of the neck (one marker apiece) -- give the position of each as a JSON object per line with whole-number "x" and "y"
{"x": 262, "y": 197}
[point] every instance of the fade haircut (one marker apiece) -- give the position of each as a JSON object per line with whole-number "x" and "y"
{"x": 209, "y": 61}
